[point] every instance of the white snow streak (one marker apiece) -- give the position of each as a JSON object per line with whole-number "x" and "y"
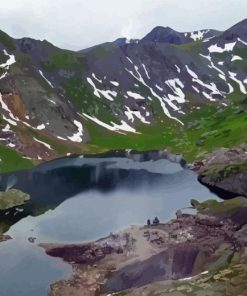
{"x": 130, "y": 114}
{"x": 216, "y": 48}
{"x": 40, "y": 127}
{"x": 241, "y": 85}
{"x": 145, "y": 69}
{"x": 176, "y": 85}
{"x": 9, "y": 62}
{"x": 106, "y": 93}
{"x": 77, "y": 137}
{"x": 43, "y": 143}
{"x": 115, "y": 83}
{"x": 162, "y": 103}
{"x": 99, "y": 80}
{"x": 236, "y": 58}
{"x": 114, "y": 127}
{"x": 41, "y": 73}
{"x": 135, "y": 95}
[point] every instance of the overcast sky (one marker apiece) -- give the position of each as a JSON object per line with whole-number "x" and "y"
{"x": 77, "y": 24}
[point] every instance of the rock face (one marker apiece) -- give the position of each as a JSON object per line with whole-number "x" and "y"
{"x": 226, "y": 169}
{"x": 186, "y": 247}
{"x": 12, "y": 198}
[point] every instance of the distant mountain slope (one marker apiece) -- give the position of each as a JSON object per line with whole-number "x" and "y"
{"x": 181, "y": 91}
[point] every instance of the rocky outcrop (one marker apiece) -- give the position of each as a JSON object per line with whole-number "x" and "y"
{"x": 185, "y": 247}
{"x": 226, "y": 170}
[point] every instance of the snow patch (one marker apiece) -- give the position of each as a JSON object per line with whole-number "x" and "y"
{"x": 162, "y": 100}
{"x": 43, "y": 143}
{"x": 106, "y": 93}
{"x": 130, "y": 114}
{"x": 41, "y": 73}
{"x": 114, "y": 127}
{"x": 176, "y": 85}
{"x": 159, "y": 88}
{"x": 115, "y": 83}
{"x": 145, "y": 69}
{"x": 77, "y": 137}
{"x": 178, "y": 69}
{"x": 135, "y": 95}
{"x": 240, "y": 83}
{"x": 10, "y": 61}
{"x": 198, "y": 35}
{"x": 227, "y": 47}
{"x": 40, "y": 127}
{"x": 196, "y": 89}
{"x": 94, "y": 76}
{"x": 236, "y": 58}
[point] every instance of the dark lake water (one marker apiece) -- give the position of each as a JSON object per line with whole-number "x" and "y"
{"x": 81, "y": 199}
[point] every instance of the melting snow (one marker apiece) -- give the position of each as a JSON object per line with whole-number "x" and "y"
{"x": 231, "y": 89}
{"x": 94, "y": 76}
{"x": 40, "y": 127}
{"x": 115, "y": 83}
{"x": 227, "y": 47}
{"x": 198, "y": 35}
{"x": 139, "y": 77}
{"x": 4, "y": 75}
{"x": 77, "y": 137}
{"x": 106, "y": 93}
{"x": 212, "y": 65}
{"x": 114, "y": 127}
{"x": 144, "y": 67}
{"x": 9, "y": 62}
{"x": 53, "y": 102}
{"x": 236, "y": 58}
{"x": 41, "y": 73}
{"x": 196, "y": 89}
{"x": 192, "y": 73}
{"x": 6, "y": 128}
{"x": 245, "y": 43}
{"x": 11, "y": 145}
{"x": 178, "y": 69}
{"x": 176, "y": 85}
{"x": 241, "y": 85}
{"x": 43, "y": 143}
{"x": 159, "y": 88}
{"x": 10, "y": 121}
{"x": 223, "y": 77}
{"x": 212, "y": 86}
{"x": 135, "y": 95}
{"x": 130, "y": 114}
{"x": 61, "y": 138}
{"x": 5, "y": 107}
{"x": 129, "y": 60}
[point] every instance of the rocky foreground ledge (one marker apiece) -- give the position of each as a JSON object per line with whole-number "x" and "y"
{"x": 193, "y": 254}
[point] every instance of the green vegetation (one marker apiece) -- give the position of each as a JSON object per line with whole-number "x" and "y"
{"x": 65, "y": 60}
{"x": 205, "y": 130}
{"x": 12, "y": 161}
{"x": 190, "y": 46}
{"x": 222, "y": 208}
{"x": 3, "y": 57}
{"x": 7, "y": 41}
{"x": 224, "y": 171}
{"x": 12, "y": 198}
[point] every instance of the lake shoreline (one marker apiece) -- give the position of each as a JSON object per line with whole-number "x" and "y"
{"x": 99, "y": 266}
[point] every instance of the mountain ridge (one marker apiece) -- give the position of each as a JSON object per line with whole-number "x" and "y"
{"x": 167, "y": 90}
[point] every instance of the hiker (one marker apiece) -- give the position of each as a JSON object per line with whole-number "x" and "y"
{"x": 148, "y": 222}
{"x": 156, "y": 221}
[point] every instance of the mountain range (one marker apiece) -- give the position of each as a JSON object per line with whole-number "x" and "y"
{"x": 184, "y": 92}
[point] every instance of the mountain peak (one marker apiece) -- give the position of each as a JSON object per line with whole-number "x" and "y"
{"x": 164, "y": 35}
